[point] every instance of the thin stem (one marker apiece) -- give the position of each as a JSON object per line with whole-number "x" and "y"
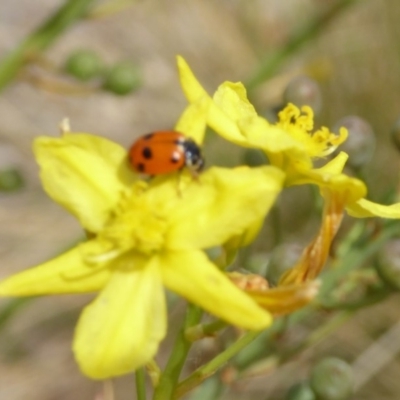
{"x": 275, "y": 360}
{"x": 355, "y": 258}
{"x": 271, "y": 64}
{"x": 41, "y": 38}
{"x": 211, "y": 367}
{"x": 169, "y": 378}
{"x": 11, "y": 308}
{"x": 140, "y": 379}
{"x": 203, "y": 330}
{"x": 211, "y": 389}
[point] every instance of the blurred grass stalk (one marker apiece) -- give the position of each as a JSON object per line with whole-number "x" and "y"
{"x": 270, "y": 65}
{"x": 41, "y": 38}
{"x": 12, "y": 307}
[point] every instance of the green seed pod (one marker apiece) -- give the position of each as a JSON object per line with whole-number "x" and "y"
{"x": 10, "y": 180}
{"x": 283, "y": 257}
{"x": 388, "y": 263}
{"x": 123, "y": 78}
{"x": 84, "y": 65}
{"x": 332, "y": 379}
{"x": 304, "y": 91}
{"x": 360, "y": 145}
{"x": 300, "y": 391}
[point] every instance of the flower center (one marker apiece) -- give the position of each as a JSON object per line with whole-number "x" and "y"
{"x": 299, "y": 124}
{"x": 137, "y": 225}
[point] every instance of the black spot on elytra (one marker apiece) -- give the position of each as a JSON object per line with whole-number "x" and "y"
{"x": 148, "y": 136}
{"x": 140, "y": 167}
{"x": 147, "y": 153}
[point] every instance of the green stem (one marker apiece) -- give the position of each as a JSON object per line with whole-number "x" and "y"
{"x": 211, "y": 367}
{"x": 140, "y": 379}
{"x": 41, "y": 38}
{"x": 275, "y": 360}
{"x": 211, "y": 389}
{"x": 10, "y": 309}
{"x": 203, "y": 330}
{"x": 355, "y": 258}
{"x": 169, "y": 378}
{"x": 271, "y": 64}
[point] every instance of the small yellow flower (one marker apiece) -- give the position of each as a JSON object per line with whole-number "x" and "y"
{"x": 290, "y": 144}
{"x": 142, "y": 236}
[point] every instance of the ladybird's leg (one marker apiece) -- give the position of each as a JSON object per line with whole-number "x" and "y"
{"x": 194, "y": 174}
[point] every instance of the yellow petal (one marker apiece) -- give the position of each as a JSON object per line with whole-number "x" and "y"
{"x": 190, "y": 85}
{"x": 336, "y": 165}
{"x": 224, "y": 203}
{"x": 364, "y": 208}
{"x": 121, "y": 330}
{"x": 225, "y": 126}
{"x": 216, "y": 118}
{"x": 84, "y": 173}
{"x": 260, "y": 134}
{"x": 193, "y": 276}
{"x": 350, "y": 189}
{"x": 192, "y": 122}
{"x": 67, "y": 273}
{"x": 246, "y": 237}
{"x": 232, "y": 99}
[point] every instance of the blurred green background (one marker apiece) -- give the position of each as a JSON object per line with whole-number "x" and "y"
{"x": 350, "y": 48}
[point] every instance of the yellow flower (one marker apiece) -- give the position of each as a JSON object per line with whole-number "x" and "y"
{"x": 290, "y": 144}
{"x": 142, "y": 235}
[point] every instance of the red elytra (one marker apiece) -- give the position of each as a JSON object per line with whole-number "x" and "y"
{"x": 163, "y": 152}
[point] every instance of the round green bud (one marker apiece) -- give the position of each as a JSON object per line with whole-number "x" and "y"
{"x": 300, "y": 391}
{"x": 84, "y": 65}
{"x": 10, "y": 179}
{"x": 332, "y": 379}
{"x": 360, "y": 144}
{"x": 283, "y": 257}
{"x": 303, "y": 91}
{"x": 388, "y": 263}
{"x": 123, "y": 78}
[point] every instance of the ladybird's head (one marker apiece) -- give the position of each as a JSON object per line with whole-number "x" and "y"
{"x": 193, "y": 158}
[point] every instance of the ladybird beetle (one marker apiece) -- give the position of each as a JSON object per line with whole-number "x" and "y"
{"x": 162, "y": 152}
